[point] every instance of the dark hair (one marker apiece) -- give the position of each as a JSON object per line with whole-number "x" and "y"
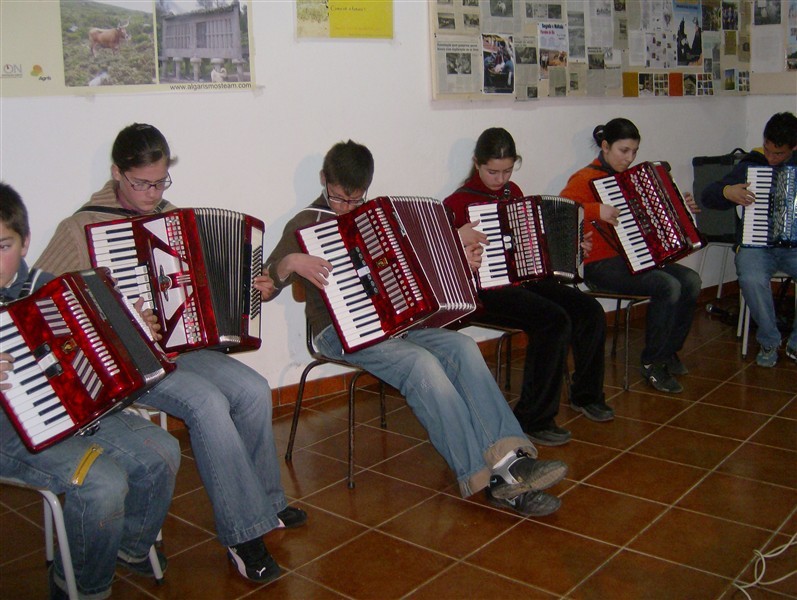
{"x": 781, "y": 129}
{"x": 616, "y": 129}
{"x": 350, "y": 165}
{"x": 495, "y": 142}
{"x": 13, "y": 213}
{"x": 140, "y": 145}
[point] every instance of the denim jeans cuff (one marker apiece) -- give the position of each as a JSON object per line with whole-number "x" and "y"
{"x": 245, "y": 535}
{"x": 60, "y": 582}
{"x": 471, "y": 484}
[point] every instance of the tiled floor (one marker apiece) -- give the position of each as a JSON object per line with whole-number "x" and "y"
{"x": 668, "y": 501}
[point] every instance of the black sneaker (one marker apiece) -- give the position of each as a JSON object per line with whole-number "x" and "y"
{"x": 143, "y": 567}
{"x": 291, "y": 517}
{"x": 524, "y": 473}
{"x": 528, "y": 504}
{"x": 550, "y": 436}
{"x": 675, "y": 366}
{"x": 597, "y": 411}
{"x": 659, "y": 377}
{"x": 253, "y": 561}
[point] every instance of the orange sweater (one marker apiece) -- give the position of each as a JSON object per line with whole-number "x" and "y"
{"x": 578, "y": 189}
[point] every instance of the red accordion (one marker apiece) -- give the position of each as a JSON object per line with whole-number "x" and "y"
{"x": 655, "y": 225}
{"x": 529, "y": 238}
{"x": 78, "y": 355}
{"x": 397, "y": 263}
{"x": 194, "y": 267}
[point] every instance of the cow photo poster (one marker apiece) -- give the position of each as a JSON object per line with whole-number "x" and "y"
{"x": 124, "y": 46}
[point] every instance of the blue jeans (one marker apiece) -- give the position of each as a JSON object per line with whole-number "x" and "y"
{"x": 754, "y": 268}
{"x": 674, "y": 290}
{"x": 226, "y": 407}
{"x": 118, "y": 508}
{"x": 449, "y": 388}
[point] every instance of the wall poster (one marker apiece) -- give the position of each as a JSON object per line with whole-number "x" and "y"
{"x": 344, "y": 19}
{"x": 125, "y": 46}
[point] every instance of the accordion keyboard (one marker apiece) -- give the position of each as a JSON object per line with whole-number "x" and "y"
{"x": 115, "y": 248}
{"x": 356, "y": 314}
{"x": 755, "y": 226}
{"x": 32, "y": 398}
{"x": 629, "y": 234}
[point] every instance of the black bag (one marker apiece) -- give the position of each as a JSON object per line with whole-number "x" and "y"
{"x": 716, "y": 225}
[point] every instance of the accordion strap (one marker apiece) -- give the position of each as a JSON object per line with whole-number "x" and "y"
{"x": 506, "y": 194}
{"x": 610, "y": 238}
{"x": 27, "y": 287}
{"x": 30, "y": 282}
{"x": 122, "y": 212}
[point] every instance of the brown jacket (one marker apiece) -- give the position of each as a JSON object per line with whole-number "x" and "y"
{"x": 68, "y": 249}
{"x": 315, "y": 309}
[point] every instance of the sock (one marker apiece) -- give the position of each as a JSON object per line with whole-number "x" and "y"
{"x": 501, "y": 463}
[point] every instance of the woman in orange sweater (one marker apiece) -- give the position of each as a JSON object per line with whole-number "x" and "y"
{"x": 673, "y": 288}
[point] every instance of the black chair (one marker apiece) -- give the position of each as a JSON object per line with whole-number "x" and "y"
{"x": 320, "y": 359}
{"x": 631, "y": 301}
{"x": 717, "y": 226}
{"x": 504, "y": 339}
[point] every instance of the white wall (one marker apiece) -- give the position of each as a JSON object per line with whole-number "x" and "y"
{"x": 260, "y": 152}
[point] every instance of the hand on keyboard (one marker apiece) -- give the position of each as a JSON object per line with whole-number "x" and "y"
{"x": 149, "y": 318}
{"x": 473, "y": 253}
{"x": 6, "y": 364}
{"x": 610, "y": 214}
{"x": 739, "y": 194}
{"x": 470, "y": 235}
{"x": 313, "y": 268}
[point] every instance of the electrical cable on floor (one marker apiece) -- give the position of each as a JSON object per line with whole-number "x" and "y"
{"x": 761, "y": 568}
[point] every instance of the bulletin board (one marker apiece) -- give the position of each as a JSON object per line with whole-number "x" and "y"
{"x": 529, "y": 49}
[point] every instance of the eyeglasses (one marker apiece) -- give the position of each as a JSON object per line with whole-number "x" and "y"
{"x": 354, "y": 203}
{"x": 145, "y": 186}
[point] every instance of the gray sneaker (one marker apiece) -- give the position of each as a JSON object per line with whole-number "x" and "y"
{"x": 550, "y": 436}
{"x": 523, "y": 474}
{"x": 528, "y": 504}
{"x": 767, "y": 357}
{"x": 659, "y": 377}
{"x": 599, "y": 412}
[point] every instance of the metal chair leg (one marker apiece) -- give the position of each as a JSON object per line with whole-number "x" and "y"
{"x": 627, "y": 338}
{"x": 297, "y": 409}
